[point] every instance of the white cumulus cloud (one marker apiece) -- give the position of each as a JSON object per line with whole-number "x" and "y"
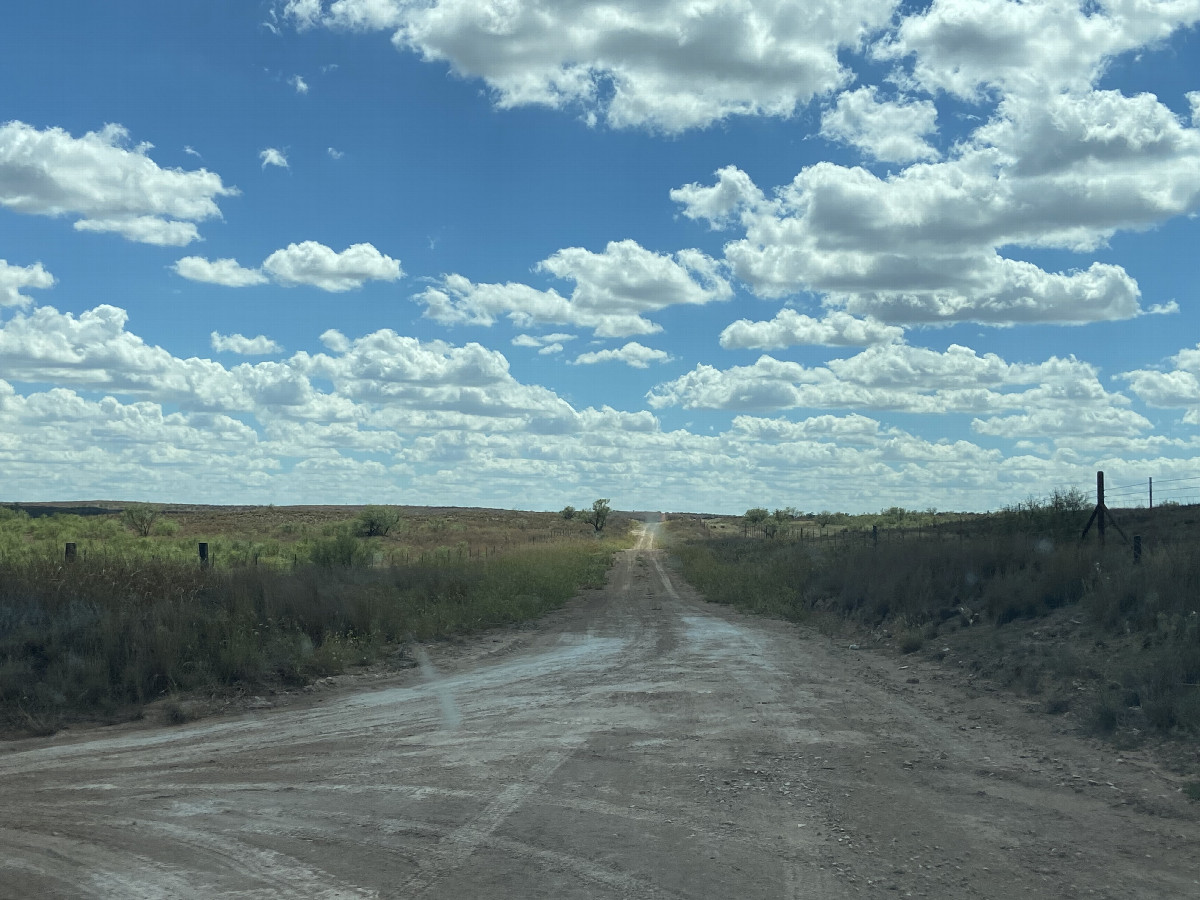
{"x": 105, "y": 182}
{"x": 1177, "y": 387}
{"x": 240, "y": 344}
{"x": 669, "y": 65}
{"x": 613, "y": 291}
{"x": 888, "y": 130}
{"x": 273, "y": 157}
{"x": 225, "y": 272}
{"x": 14, "y": 279}
{"x": 1034, "y": 47}
{"x": 632, "y": 354}
{"x": 790, "y": 328}
{"x": 312, "y": 263}
{"x": 1013, "y": 399}
{"x": 923, "y": 245}
{"x": 545, "y": 344}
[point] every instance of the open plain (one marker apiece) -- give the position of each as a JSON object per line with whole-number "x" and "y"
{"x": 637, "y": 743}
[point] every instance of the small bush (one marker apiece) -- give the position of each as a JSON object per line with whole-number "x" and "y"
{"x": 911, "y": 642}
{"x": 377, "y": 521}
{"x": 165, "y": 528}
{"x": 342, "y": 550}
{"x": 140, "y": 518}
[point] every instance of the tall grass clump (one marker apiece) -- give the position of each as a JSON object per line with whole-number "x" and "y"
{"x": 1143, "y": 619}
{"x": 105, "y": 634}
{"x": 763, "y": 577}
{"x": 1157, "y": 604}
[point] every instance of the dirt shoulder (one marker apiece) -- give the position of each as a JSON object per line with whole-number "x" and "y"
{"x": 638, "y": 743}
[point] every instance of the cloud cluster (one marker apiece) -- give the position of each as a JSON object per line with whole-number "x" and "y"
{"x": 383, "y": 379}
{"x": 923, "y": 245}
{"x": 1058, "y": 398}
{"x": 309, "y": 263}
{"x": 410, "y": 418}
{"x": 1175, "y": 388}
{"x": 668, "y": 65}
{"x": 108, "y": 184}
{"x": 1035, "y": 48}
{"x": 790, "y": 328}
{"x": 613, "y": 291}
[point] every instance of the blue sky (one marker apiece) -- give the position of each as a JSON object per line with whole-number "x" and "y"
{"x": 683, "y": 255}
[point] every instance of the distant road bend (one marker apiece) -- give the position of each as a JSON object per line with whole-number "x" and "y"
{"x": 639, "y": 743}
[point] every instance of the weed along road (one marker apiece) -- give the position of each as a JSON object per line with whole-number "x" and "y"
{"x": 638, "y": 743}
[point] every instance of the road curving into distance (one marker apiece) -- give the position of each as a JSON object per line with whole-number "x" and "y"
{"x": 639, "y": 743}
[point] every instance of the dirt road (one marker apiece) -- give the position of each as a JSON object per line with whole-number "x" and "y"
{"x": 638, "y": 744}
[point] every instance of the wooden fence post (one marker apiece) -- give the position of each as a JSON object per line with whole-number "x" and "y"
{"x": 1137, "y": 549}
{"x": 70, "y": 551}
{"x": 1101, "y": 513}
{"x": 203, "y": 548}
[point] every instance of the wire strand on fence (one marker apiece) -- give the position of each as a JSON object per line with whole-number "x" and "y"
{"x": 1180, "y": 478}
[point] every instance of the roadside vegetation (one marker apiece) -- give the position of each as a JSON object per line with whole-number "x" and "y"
{"x": 286, "y": 596}
{"x": 1015, "y": 597}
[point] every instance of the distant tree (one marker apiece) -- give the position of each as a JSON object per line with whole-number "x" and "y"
{"x": 598, "y": 517}
{"x": 778, "y": 522}
{"x": 754, "y": 518}
{"x": 377, "y": 521}
{"x": 568, "y": 513}
{"x": 1068, "y": 500}
{"x": 140, "y": 518}
{"x": 824, "y": 517}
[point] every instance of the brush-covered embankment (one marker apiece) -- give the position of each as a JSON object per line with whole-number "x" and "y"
{"x": 1110, "y": 644}
{"x": 133, "y": 620}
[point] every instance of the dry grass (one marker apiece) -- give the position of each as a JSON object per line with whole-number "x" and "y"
{"x": 132, "y": 619}
{"x": 1027, "y": 603}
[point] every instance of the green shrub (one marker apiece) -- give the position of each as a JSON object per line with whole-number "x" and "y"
{"x": 343, "y": 549}
{"x": 377, "y": 521}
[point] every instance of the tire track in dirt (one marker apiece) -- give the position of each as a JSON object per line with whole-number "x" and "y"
{"x": 638, "y": 743}
{"x": 459, "y": 844}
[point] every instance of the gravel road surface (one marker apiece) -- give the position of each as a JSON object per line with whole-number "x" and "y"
{"x": 639, "y": 743}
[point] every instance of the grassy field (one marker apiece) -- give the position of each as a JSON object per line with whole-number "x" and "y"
{"x": 290, "y": 594}
{"x": 1015, "y": 596}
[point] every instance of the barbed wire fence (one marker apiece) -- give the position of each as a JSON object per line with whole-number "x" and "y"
{"x": 1183, "y": 490}
{"x": 1156, "y": 513}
